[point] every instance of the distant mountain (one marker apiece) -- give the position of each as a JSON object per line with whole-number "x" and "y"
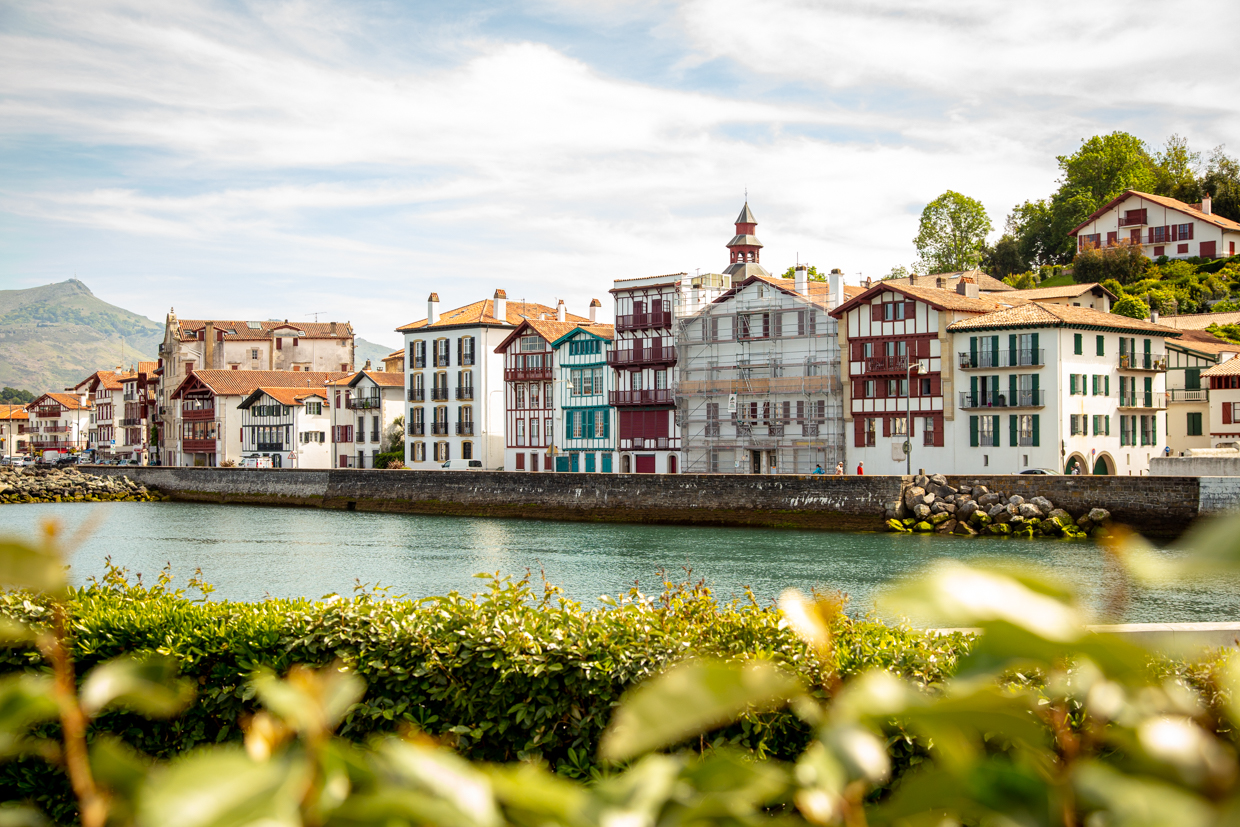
{"x": 363, "y": 350}
{"x": 52, "y": 337}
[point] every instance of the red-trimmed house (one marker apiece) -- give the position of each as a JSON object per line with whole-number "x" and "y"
{"x": 1163, "y": 226}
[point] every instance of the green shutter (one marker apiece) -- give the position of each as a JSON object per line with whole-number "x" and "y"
{"x": 1106, "y": 385}
{"x": 994, "y": 429}
{"x": 994, "y": 388}
{"x": 1035, "y": 430}
{"x": 606, "y": 423}
{"x": 1108, "y": 421}
{"x": 1147, "y": 347}
{"x": 973, "y": 391}
{"x": 1154, "y": 429}
{"x": 1102, "y": 346}
{"x": 973, "y": 431}
{"x": 1072, "y": 384}
{"x": 1012, "y": 358}
{"x": 994, "y": 349}
{"x": 1192, "y": 379}
{"x": 1035, "y": 388}
{"x": 1013, "y": 433}
{"x": 1093, "y": 381}
{"x": 1012, "y": 397}
{"x": 972, "y": 351}
{"x": 1033, "y": 344}
{"x": 1076, "y": 344}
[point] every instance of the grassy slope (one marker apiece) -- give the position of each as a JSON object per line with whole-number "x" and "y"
{"x": 364, "y": 350}
{"x": 53, "y": 336}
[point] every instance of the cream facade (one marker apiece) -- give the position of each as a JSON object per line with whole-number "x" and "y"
{"x": 286, "y": 428}
{"x": 1162, "y": 226}
{"x": 364, "y": 409}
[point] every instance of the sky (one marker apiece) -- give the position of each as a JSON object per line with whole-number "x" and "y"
{"x": 285, "y": 159}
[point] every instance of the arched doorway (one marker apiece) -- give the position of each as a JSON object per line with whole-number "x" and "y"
{"x": 1076, "y": 461}
{"x": 626, "y": 464}
{"x": 1104, "y": 465}
{"x": 671, "y": 463}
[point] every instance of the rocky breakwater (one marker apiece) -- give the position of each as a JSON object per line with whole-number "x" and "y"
{"x": 931, "y": 505}
{"x": 68, "y": 485}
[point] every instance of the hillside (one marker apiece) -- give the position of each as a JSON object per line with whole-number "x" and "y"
{"x": 363, "y": 350}
{"x": 52, "y": 336}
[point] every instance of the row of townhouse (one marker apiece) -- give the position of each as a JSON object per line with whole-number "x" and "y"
{"x": 14, "y": 431}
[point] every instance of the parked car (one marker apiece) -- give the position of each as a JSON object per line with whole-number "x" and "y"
{"x": 1045, "y": 471}
{"x": 22, "y": 461}
{"x": 462, "y": 465}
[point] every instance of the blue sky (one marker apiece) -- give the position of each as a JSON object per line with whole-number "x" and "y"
{"x": 272, "y": 160}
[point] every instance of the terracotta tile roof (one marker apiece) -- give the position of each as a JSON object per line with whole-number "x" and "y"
{"x": 1204, "y": 342}
{"x": 381, "y": 378}
{"x": 819, "y": 291}
{"x": 103, "y": 379}
{"x": 602, "y": 331}
{"x": 245, "y": 382}
{"x": 1199, "y": 321}
{"x": 243, "y": 330}
{"x": 1033, "y": 314}
{"x": 289, "y": 396}
{"x": 985, "y": 283}
{"x": 1067, "y": 291}
{"x": 673, "y": 276}
{"x": 66, "y": 400}
{"x": 11, "y": 412}
{"x": 851, "y": 290}
{"x": 1191, "y": 210}
{"x": 148, "y": 367}
{"x": 936, "y": 297}
{"x": 1231, "y": 367}
{"x": 395, "y": 354}
{"x": 483, "y": 312}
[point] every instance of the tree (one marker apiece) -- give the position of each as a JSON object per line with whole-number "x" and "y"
{"x": 1175, "y": 171}
{"x": 1130, "y": 306}
{"x": 1114, "y": 286}
{"x": 1004, "y": 258}
{"x": 1032, "y": 225}
{"x": 814, "y": 275}
{"x": 1021, "y": 281}
{"x": 952, "y": 233}
{"x": 13, "y": 396}
{"x": 1222, "y": 181}
{"x": 1124, "y": 262}
{"x": 394, "y": 437}
{"x": 897, "y": 272}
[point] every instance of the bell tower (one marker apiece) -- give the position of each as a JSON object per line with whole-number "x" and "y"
{"x": 745, "y": 248}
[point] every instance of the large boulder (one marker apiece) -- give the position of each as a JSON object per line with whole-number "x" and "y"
{"x": 989, "y": 499}
{"x": 921, "y": 511}
{"x": 939, "y": 519}
{"x": 1060, "y": 516}
{"x": 1029, "y": 511}
{"x": 896, "y": 525}
{"x": 980, "y": 490}
{"x": 1099, "y": 516}
{"x": 979, "y": 518}
{"x": 1001, "y": 529}
{"x": 946, "y": 491}
{"x": 938, "y": 480}
{"x": 914, "y": 495}
{"x": 1016, "y": 499}
{"x": 1044, "y": 505}
{"x": 921, "y": 481}
{"x": 939, "y": 507}
{"x": 965, "y": 510}
{"x": 966, "y": 489}
{"x": 947, "y": 527}
{"x": 964, "y": 530}
{"x": 923, "y": 526}
{"x": 928, "y": 498}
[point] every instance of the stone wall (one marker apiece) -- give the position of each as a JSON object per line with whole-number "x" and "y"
{"x": 1219, "y": 494}
{"x": 1195, "y": 466}
{"x": 823, "y": 502}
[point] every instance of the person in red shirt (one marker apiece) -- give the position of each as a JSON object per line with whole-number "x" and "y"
{"x": 860, "y": 469}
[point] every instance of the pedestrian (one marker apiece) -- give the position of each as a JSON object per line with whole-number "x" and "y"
{"x": 839, "y": 468}
{"x": 860, "y": 469}
{"x": 818, "y": 469}
{"x": 1076, "y": 470}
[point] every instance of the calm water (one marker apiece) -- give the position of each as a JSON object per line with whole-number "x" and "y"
{"x": 249, "y": 552}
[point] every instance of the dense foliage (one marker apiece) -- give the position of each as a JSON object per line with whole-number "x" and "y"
{"x": 13, "y": 396}
{"x": 951, "y": 234}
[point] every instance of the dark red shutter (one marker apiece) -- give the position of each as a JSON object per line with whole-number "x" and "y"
{"x": 886, "y": 426}
{"x": 1226, "y": 413}
{"x": 909, "y": 312}
{"x": 859, "y": 431}
{"x": 938, "y": 431}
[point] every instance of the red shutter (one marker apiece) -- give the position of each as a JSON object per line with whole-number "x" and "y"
{"x": 1226, "y": 413}
{"x": 936, "y": 385}
{"x": 909, "y": 309}
{"x": 1190, "y": 232}
{"x": 859, "y": 432}
{"x": 938, "y": 431}
{"x": 1151, "y": 241}
{"x": 876, "y": 312}
{"x": 886, "y": 426}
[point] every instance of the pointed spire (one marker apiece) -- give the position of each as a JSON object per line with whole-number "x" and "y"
{"x": 746, "y": 216}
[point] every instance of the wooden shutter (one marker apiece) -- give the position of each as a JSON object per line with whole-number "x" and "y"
{"x": 1106, "y": 385}
{"x": 1035, "y": 431}
{"x": 973, "y": 391}
{"x": 876, "y": 312}
{"x": 938, "y": 431}
{"x": 973, "y": 351}
{"x": 858, "y": 432}
{"x": 910, "y": 310}
{"x": 886, "y": 426}
{"x": 1013, "y": 398}
{"x": 1013, "y": 431}
{"x": 1013, "y": 359}
{"x": 973, "y": 431}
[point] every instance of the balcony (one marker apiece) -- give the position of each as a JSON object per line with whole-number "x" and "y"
{"x": 642, "y": 321}
{"x": 197, "y": 414}
{"x": 650, "y": 397}
{"x": 1134, "y": 220}
{"x": 131, "y": 422}
{"x": 527, "y": 374}
{"x": 465, "y": 393}
{"x": 198, "y": 446}
{"x": 364, "y": 403}
{"x": 55, "y": 429}
{"x": 417, "y": 394}
{"x": 464, "y": 429}
{"x": 809, "y": 429}
{"x": 712, "y": 429}
{"x": 419, "y": 362}
{"x": 1144, "y": 401}
{"x": 417, "y": 429}
{"x": 439, "y": 394}
{"x": 271, "y": 446}
{"x": 1182, "y": 395}
{"x": 1023, "y": 358}
{"x": 439, "y": 428}
{"x": 1142, "y": 361}
{"x": 47, "y": 413}
{"x": 1023, "y": 399}
{"x": 775, "y": 430}
{"x": 649, "y": 443}
{"x": 886, "y": 364}
{"x": 643, "y": 356}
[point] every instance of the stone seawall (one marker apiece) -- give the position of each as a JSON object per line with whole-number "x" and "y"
{"x": 820, "y": 502}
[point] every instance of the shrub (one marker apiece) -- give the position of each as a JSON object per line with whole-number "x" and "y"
{"x": 1130, "y": 306}
{"x": 1125, "y": 263}
{"x": 385, "y": 459}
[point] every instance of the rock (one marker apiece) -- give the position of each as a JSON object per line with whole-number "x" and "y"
{"x": 921, "y": 511}
{"x": 980, "y": 518}
{"x": 965, "y": 510}
{"x": 1083, "y": 523}
{"x": 1044, "y": 505}
{"x": 929, "y": 499}
{"x": 966, "y": 489}
{"x": 896, "y": 525}
{"x": 1016, "y": 500}
{"x": 923, "y": 526}
{"x": 980, "y": 490}
{"x": 921, "y": 481}
{"x": 950, "y": 498}
{"x": 913, "y": 496}
{"x": 996, "y": 510}
{"x": 1099, "y": 516}
{"x": 938, "y": 508}
{"x": 1060, "y": 516}
{"x": 988, "y": 499}
{"x": 938, "y": 479}
{"x": 946, "y": 491}
{"x": 939, "y": 519}
{"x": 908, "y": 521}
{"x": 1029, "y": 511}
{"x": 964, "y": 530}
{"x": 1001, "y": 529}
{"x": 947, "y": 526}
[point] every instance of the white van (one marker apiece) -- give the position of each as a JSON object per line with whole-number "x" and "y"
{"x": 462, "y": 465}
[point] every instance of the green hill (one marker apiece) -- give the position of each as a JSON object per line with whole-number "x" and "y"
{"x": 363, "y": 350}
{"x": 52, "y": 337}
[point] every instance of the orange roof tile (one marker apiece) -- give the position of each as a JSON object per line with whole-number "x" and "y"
{"x": 244, "y": 382}
{"x": 985, "y": 282}
{"x": 68, "y": 401}
{"x": 1067, "y": 291}
{"x": 11, "y": 412}
{"x": 483, "y": 313}
{"x": 1033, "y": 314}
{"x": 602, "y": 331}
{"x": 1199, "y": 321}
{"x": 1231, "y": 367}
{"x": 1204, "y": 342}
{"x": 935, "y": 297}
{"x": 243, "y": 330}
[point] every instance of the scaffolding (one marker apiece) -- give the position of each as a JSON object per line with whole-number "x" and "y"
{"x": 759, "y": 381}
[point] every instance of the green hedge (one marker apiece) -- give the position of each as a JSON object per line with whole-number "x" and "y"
{"x": 513, "y": 672}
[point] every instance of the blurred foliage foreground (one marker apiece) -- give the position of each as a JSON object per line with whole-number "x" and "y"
{"x": 656, "y": 711}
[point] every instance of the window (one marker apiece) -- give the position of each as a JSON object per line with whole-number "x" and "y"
{"x": 1079, "y": 425}
{"x": 1077, "y": 346}
{"x": 1194, "y": 424}
{"x": 520, "y": 431}
{"x": 1102, "y": 425}
{"x": 1027, "y": 430}
{"x": 576, "y": 419}
{"x": 549, "y": 430}
{"x": 1101, "y": 345}
{"x": 419, "y": 452}
{"x": 871, "y": 431}
{"x": 898, "y": 426}
{"x": 928, "y": 431}
{"x": 600, "y": 422}
{"x": 987, "y": 432}
{"x": 897, "y": 387}
{"x": 519, "y": 392}
{"x": 533, "y": 395}
{"x": 893, "y": 311}
{"x": 467, "y": 450}
{"x": 531, "y": 343}
{"x": 870, "y": 388}
{"x": 254, "y": 353}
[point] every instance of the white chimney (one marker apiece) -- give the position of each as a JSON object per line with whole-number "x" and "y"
{"x": 561, "y": 314}
{"x": 802, "y": 280}
{"x": 501, "y": 305}
{"x": 1206, "y": 204}
{"x": 595, "y": 304}
{"x": 836, "y": 282}
{"x": 432, "y": 308}
{"x": 1154, "y": 316}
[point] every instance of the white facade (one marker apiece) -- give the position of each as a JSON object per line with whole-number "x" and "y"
{"x": 59, "y": 423}
{"x": 1162, "y": 226}
{"x": 287, "y": 428}
{"x": 759, "y": 380}
{"x": 364, "y": 409}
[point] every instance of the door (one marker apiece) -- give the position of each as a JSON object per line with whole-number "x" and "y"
{"x": 755, "y": 462}
{"x": 645, "y": 463}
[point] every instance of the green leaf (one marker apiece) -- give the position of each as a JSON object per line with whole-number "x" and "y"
{"x": 222, "y": 788}
{"x": 444, "y": 777}
{"x": 25, "y": 567}
{"x": 310, "y": 700}
{"x": 1137, "y": 801}
{"x": 1003, "y": 645}
{"x": 690, "y": 699}
{"x": 534, "y": 792}
{"x": 16, "y": 815}
{"x": 145, "y": 684}
{"x": 25, "y": 700}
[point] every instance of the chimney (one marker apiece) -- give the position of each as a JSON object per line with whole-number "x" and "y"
{"x": 333, "y": 328}
{"x": 835, "y": 281}
{"x": 1154, "y": 316}
{"x": 940, "y": 282}
{"x": 967, "y": 287}
{"x": 561, "y": 314}
{"x": 501, "y": 305}
{"x": 868, "y": 283}
{"x": 802, "y": 280}
{"x": 208, "y": 350}
{"x": 367, "y": 365}
{"x": 914, "y": 280}
{"x": 595, "y": 304}
{"x": 432, "y": 308}
{"x": 1206, "y": 204}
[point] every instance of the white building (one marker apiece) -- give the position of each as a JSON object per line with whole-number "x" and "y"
{"x": 1162, "y": 226}
{"x": 759, "y": 385}
{"x": 1069, "y": 389}
{"x": 1091, "y": 295}
{"x": 58, "y": 422}
{"x": 454, "y": 379}
{"x": 286, "y": 427}
{"x": 365, "y": 407}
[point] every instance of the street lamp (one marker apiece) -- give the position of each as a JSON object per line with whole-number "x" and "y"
{"x": 914, "y": 367}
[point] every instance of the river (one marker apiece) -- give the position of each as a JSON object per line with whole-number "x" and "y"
{"x": 249, "y": 552}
